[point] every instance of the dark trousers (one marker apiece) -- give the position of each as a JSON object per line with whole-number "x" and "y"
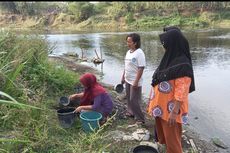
{"x": 133, "y": 101}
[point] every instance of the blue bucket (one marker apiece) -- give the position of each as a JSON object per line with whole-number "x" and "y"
{"x": 90, "y": 120}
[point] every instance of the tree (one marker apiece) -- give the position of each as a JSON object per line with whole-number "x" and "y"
{"x": 82, "y": 10}
{"x": 120, "y": 9}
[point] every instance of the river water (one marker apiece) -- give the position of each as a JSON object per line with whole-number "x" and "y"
{"x": 210, "y": 50}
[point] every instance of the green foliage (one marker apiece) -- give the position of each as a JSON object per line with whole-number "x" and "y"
{"x": 225, "y": 15}
{"x": 29, "y": 77}
{"x": 26, "y": 52}
{"x": 11, "y": 108}
{"x": 73, "y": 8}
{"x": 8, "y": 7}
{"x": 86, "y": 11}
{"x": 174, "y": 19}
{"x": 26, "y": 61}
{"x": 25, "y": 69}
{"x": 44, "y": 134}
{"x": 129, "y": 18}
{"x": 10, "y": 62}
{"x": 82, "y": 10}
{"x": 25, "y": 8}
{"x": 111, "y": 14}
{"x": 208, "y": 17}
{"x": 101, "y": 7}
{"x": 55, "y": 78}
{"x": 119, "y": 9}
{"x": 138, "y": 6}
{"x": 59, "y": 79}
{"x": 31, "y": 8}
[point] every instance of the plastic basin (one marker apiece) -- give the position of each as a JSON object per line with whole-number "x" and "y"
{"x": 90, "y": 120}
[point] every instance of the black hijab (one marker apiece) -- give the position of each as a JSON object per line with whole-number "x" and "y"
{"x": 170, "y": 28}
{"x": 165, "y": 29}
{"x": 176, "y": 61}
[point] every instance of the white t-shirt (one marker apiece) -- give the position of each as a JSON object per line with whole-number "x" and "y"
{"x": 134, "y": 60}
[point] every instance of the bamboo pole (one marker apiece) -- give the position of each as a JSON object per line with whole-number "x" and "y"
{"x": 81, "y": 53}
{"x": 101, "y": 52}
{"x": 97, "y": 54}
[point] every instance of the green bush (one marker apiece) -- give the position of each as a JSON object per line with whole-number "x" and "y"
{"x": 129, "y": 18}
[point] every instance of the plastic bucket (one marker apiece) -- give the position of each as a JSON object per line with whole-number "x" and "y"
{"x": 119, "y": 88}
{"x": 90, "y": 120}
{"x": 144, "y": 149}
{"x": 66, "y": 117}
{"x": 64, "y": 101}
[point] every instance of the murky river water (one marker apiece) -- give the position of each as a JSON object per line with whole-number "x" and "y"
{"x": 210, "y": 50}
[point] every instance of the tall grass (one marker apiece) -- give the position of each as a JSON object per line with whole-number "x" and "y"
{"x": 29, "y": 88}
{"x": 13, "y": 102}
{"x": 29, "y": 84}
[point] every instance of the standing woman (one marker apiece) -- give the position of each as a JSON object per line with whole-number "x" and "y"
{"x": 172, "y": 81}
{"x": 132, "y": 77}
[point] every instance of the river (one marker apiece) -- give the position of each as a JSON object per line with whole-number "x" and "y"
{"x": 210, "y": 49}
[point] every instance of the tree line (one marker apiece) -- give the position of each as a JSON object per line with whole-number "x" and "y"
{"x": 84, "y": 10}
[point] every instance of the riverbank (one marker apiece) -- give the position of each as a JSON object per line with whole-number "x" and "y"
{"x": 107, "y": 23}
{"x": 191, "y": 140}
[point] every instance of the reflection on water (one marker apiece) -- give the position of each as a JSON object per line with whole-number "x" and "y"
{"x": 210, "y": 52}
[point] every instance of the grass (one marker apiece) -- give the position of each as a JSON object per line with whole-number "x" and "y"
{"x": 28, "y": 77}
{"x": 28, "y": 103}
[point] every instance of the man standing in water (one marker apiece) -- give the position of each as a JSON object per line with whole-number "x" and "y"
{"x": 132, "y": 77}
